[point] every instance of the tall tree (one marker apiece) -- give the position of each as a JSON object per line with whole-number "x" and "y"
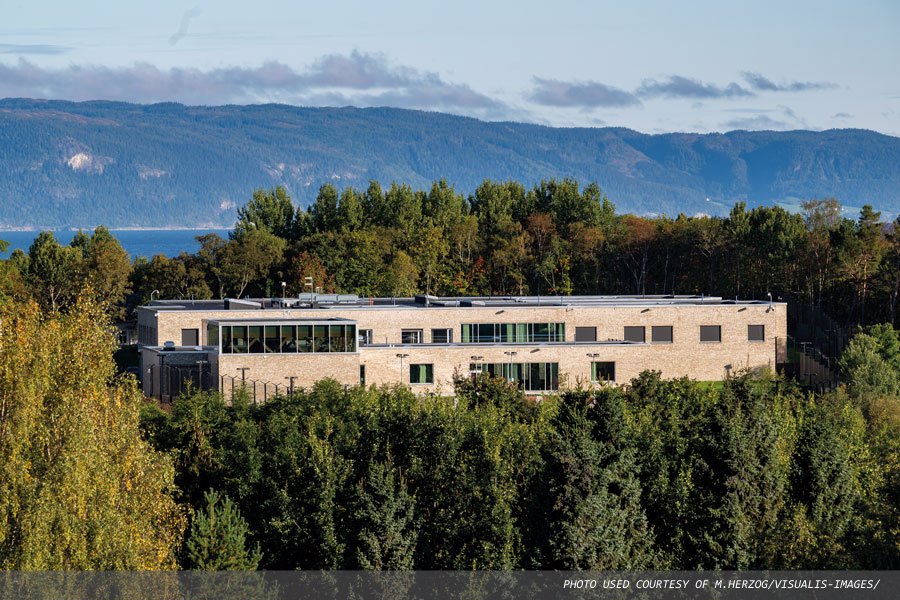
{"x": 79, "y": 488}
{"x": 269, "y": 210}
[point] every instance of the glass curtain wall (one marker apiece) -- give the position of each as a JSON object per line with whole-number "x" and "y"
{"x": 531, "y": 377}
{"x": 284, "y": 339}
{"x": 512, "y": 333}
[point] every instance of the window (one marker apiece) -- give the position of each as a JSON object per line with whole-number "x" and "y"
{"x": 362, "y": 374}
{"x": 212, "y": 335}
{"x": 272, "y": 339}
{"x": 256, "y": 339}
{"x": 411, "y": 336}
{"x": 227, "y": 341}
{"x": 285, "y": 339}
{"x": 365, "y": 337}
{"x": 190, "y": 337}
{"x": 532, "y": 377}
{"x": 603, "y": 371}
{"x": 710, "y": 333}
{"x": 441, "y": 336}
{"x": 239, "y": 339}
{"x": 512, "y": 333}
{"x": 421, "y": 373}
{"x": 756, "y": 333}
{"x": 585, "y": 334}
{"x": 320, "y": 338}
{"x": 288, "y": 338}
{"x": 661, "y": 334}
{"x": 304, "y": 338}
{"x": 635, "y": 334}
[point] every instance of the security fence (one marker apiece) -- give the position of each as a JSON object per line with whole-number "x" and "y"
{"x": 174, "y": 380}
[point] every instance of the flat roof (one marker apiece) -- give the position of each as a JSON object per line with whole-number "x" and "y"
{"x": 343, "y": 301}
{"x": 276, "y": 321}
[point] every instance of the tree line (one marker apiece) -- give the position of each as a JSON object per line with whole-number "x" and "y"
{"x": 554, "y": 238}
{"x": 752, "y": 473}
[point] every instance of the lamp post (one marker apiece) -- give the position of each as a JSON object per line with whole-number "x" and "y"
{"x": 291, "y": 379}
{"x": 476, "y": 367}
{"x": 283, "y": 292}
{"x": 593, "y": 356}
{"x": 510, "y": 354}
{"x": 401, "y": 356}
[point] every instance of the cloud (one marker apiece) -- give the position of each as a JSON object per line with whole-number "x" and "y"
{"x": 33, "y": 49}
{"x": 356, "y": 79}
{"x": 676, "y": 86}
{"x": 842, "y": 115}
{"x": 760, "y": 119}
{"x": 591, "y": 94}
{"x": 183, "y": 28}
{"x": 763, "y": 84}
{"x": 755, "y": 123}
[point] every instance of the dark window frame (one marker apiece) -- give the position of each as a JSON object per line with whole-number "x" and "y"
{"x": 196, "y": 334}
{"x": 448, "y": 333}
{"x": 403, "y": 333}
{"x": 595, "y": 370}
{"x": 633, "y": 329}
{"x": 707, "y": 330}
{"x": 417, "y": 368}
{"x": 657, "y": 330}
{"x": 590, "y": 331}
{"x": 751, "y": 338}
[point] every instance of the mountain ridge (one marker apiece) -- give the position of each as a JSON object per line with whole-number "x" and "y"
{"x": 69, "y": 164}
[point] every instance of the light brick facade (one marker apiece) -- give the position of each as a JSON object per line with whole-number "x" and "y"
{"x": 685, "y": 355}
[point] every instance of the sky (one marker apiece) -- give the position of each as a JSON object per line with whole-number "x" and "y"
{"x": 650, "y": 65}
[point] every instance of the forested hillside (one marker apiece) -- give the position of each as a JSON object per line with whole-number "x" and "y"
{"x": 82, "y": 164}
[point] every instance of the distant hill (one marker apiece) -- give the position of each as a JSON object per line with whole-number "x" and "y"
{"x": 78, "y": 164}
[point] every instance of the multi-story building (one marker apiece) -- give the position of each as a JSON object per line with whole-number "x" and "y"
{"x": 542, "y": 343}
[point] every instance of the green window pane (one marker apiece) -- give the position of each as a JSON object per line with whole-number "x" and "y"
{"x": 255, "y": 341}
{"x": 272, "y": 341}
{"x": 421, "y": 373}
{"x": 227, "y": 347}
{"x": 320, "y": 338}
{"x": 239, "y": 341}
{"x": 212, "y": 335}
{"x": 288, "y": 338}
{"x": 351, "y": 338}
{"x": 466, "y": 334}
{"x": 304, "y": 338}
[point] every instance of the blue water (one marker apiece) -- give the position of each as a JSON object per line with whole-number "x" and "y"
{"x": 137, "y": 242}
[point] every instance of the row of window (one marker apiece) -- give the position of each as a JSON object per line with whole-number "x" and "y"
{"x": 493, "y": 333}
{"x": 531, "y": 377}
{"x": 146, "y": 335}
{"x": 283, "y": 339}
{"x": 663, "y": 334}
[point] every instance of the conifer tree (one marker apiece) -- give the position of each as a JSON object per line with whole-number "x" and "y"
{"x": 218, "y": 538}
{"x": 386, "y": 523}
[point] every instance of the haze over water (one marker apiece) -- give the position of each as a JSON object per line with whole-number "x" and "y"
{"x": 137, "y": 242}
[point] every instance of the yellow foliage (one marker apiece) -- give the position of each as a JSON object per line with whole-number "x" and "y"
{"x": 79, "y": 488}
